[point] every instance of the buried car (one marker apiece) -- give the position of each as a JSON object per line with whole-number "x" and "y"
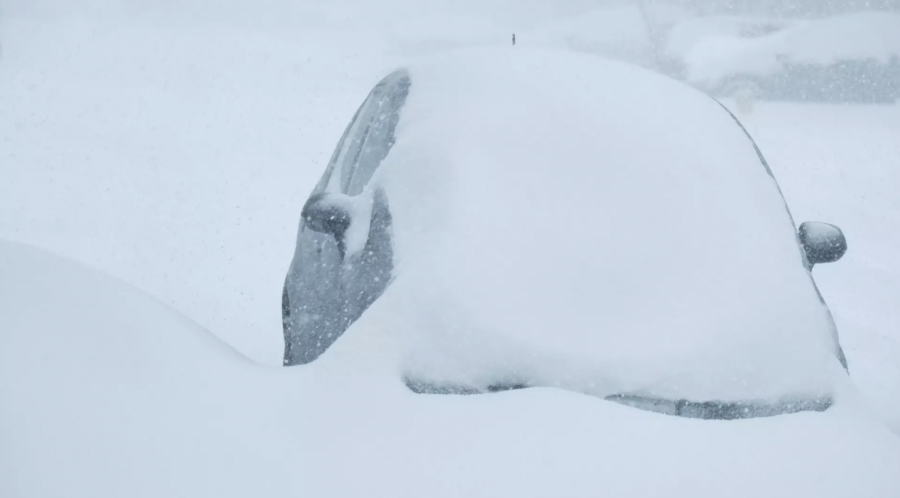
{"x": 500, "y": 274}
{"x": 603, "y": 230}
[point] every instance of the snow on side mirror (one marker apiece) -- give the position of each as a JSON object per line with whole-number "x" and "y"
{"x": 346, "y": 218}
{"x": 328, "y": 213}
{"x": 822, "y": 242}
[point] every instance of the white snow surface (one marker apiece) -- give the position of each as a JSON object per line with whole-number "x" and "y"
{"x": 359, "y": 209}
{"x": 114, "y": 394}
{"x": 565, "y": 220}
{"x": 173, "y": 143}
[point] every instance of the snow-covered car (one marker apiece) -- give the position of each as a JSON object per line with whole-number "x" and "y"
{"x": 848, "y": 58}
{"x": 544, "y": 272}
{"x": 610, "y": 232}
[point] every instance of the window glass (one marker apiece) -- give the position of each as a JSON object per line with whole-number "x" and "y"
{"x": 380, "y": 134}
{"x": 323, "y": 294}
{"x": 347, "y": 150}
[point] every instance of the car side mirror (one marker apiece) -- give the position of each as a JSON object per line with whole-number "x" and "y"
{"x": 328, "y": 213}
{"x": 822, "y": 242}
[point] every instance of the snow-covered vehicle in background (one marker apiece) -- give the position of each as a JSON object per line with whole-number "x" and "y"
{"x": 580, "y": 228}
{"x": 848, "y": 58}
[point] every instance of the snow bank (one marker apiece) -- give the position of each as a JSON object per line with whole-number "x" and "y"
{"x": 115, "y": 395}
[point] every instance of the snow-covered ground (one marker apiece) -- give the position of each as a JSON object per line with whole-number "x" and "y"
{"x": 174, "y": 151}
{"x": 118, "y": 395}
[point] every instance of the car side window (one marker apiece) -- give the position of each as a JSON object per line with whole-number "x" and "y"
{"x": 370, "y": 135}
{"x": 347, "y": 151}
{"x": 324, "y": 291}
{"x": 380, "y": 134}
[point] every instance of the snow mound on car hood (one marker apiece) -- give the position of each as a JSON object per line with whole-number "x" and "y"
{"x": 566, "y": 220}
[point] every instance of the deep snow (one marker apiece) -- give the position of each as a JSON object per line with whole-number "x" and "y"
{"x": 173, "y": 147}
{"x": 107, "y": 392}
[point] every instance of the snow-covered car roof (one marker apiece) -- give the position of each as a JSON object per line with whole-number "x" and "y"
{"x": 107, "y": 392}
{"x": 563, "y": 220}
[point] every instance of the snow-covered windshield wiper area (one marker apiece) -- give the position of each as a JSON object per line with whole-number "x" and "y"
{"x": 707, "y": 410}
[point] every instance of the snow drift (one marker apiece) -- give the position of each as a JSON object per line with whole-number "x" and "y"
{"x": 115, "y": 394}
